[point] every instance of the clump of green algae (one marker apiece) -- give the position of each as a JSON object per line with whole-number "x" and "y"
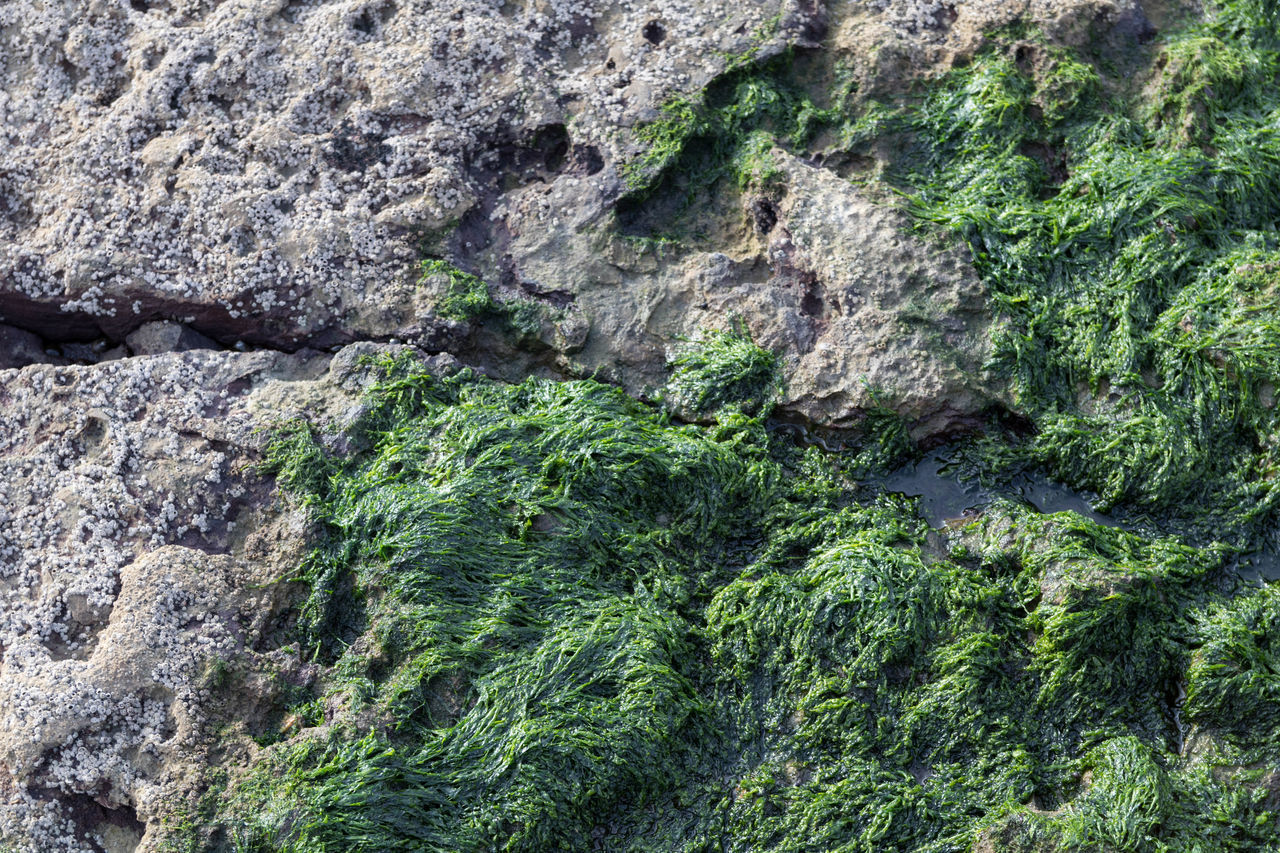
{"x": 556, "y": 619}
{"x": 724, "y": 370}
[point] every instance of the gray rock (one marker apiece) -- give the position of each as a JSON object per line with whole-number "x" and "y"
{"x": 863, "y": 311}
{"x": 166, "y": 336}
{"x": 268, "y": 171}
{"x": 138, "y": 550}
{"x": 18, "y": 348}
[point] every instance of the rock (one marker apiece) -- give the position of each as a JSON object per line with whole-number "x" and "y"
{"x": 19, "y": 348}
{"x": 282, "y": 195}
{"x": 165, "y": 336}
{"x": 268, "y": 171}
{"x": 863, "y": 311}
{"x": 138, "y": 550}
{"x": 896, "y": 320}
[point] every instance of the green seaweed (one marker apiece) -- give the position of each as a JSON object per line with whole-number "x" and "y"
{"x": 726, "y": 370}
{"x": 553, "y": 618}
{"x": 1115, "y": 232}
{"x": 467, "y": 298}
{"x": 1114, "y": 221}
{"x": 725, "y": 132}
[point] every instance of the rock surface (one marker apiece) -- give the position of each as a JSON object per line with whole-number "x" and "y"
{"x": 863, "y": 312}
{"x": 266, "y": 170}
{"x": 136, "y": 547}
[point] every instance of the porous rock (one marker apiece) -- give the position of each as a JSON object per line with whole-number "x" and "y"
{"x": 862, "y": 311}
{"x": 266, "y": 171}
{"x": 138, "y": 550}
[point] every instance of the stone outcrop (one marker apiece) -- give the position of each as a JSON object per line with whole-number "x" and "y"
{"x": 139, "y": 555}
{"x": 266, "y": 171}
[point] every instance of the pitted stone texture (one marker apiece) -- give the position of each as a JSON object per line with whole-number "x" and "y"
{"x": 863, "y": 311}
{"x": 266, "y": 170}
{"x": 892, "y": 318}
{"x": 137, "y": 549}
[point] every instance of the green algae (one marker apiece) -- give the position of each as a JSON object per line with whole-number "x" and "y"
{"x": 554, "y": 618}
{"x": 1118, "y": 234}
{"x": 467, "y": 298}
{"x": 719, "y": 140}
{"x": 1117, "y": 216}
{"x": 724, "y": 370}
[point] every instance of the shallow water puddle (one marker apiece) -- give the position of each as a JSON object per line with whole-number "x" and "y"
{"x": 943, "y": 495}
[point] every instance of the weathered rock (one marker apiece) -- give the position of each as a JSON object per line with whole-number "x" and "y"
{"x": 195, "y": 173}
{"x": 863, "y": 312}
{"x": 138, "y": 552}
{"x": 164, "y": 336}
{"x": 266, "y": 171}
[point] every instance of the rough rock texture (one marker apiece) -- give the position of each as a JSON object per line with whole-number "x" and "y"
{"x": 269, "y": 172}
{"x": 134, "y": 546}
{"x": 266, "y": 170}
{"x": 857, "y": 306}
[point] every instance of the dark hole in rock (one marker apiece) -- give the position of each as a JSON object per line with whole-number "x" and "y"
{"x": 74, "y": 73}
{"x": 364, "y": 23}
{"x": 610, "y": 64}
{"x": 138, "y": 5}
{"x": 556, "y": 152}
{"x": 764, "y": 214}
{"x": 557, "y": 297}
{"x": 118, "y": 827}
{"x": 654, "y": 32}
{"x": 586, "y": 160}
{"x": 1023, "y": 56}
{"x": 243, "y": 241}
{"x": 811, "y": 301}
{"x": 352, "y": 151}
